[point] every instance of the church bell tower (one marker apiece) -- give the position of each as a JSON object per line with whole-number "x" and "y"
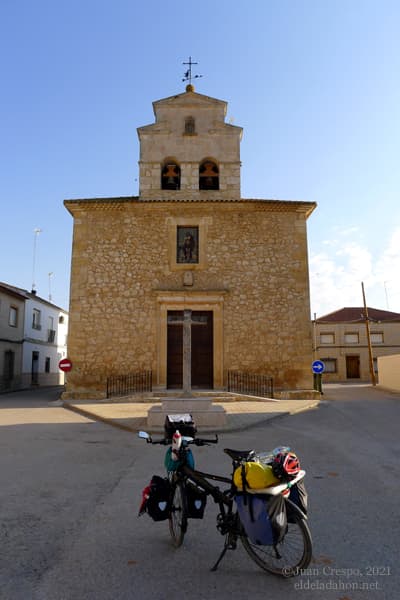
{"x": 189, "y": 154}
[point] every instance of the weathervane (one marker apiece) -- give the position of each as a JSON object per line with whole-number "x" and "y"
{"x": 187, "y": 76}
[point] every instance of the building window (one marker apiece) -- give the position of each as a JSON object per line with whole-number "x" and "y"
{"x": 190, "y": 128}
{"x": 61, "y": 319}
{"x": 375, "y": 363}
{"x": 208, "y": 176}
{"x": 51, "y": 333}
{"x": 171, "y": 176}
{"x": 47, "y": 365}
{"x": 376, "y": 337}
{"x": 36, "y": 319}
{"x": 330, "y": 365}
{"x": 327, "y": 338}
{"x": 351, "y": 338}
{"x": 187, "y": 245}
{"x": 13, "y": 317}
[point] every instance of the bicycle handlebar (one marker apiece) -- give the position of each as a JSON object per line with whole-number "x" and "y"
{"x": 186, "y": 439}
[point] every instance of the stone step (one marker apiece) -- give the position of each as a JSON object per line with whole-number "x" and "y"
{"x": 216, "y": 396}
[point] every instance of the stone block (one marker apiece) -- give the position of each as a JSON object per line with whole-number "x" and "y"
{"x": 204, "y": 412}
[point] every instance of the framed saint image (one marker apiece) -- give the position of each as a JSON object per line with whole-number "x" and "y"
{"x": 187, "y": 245}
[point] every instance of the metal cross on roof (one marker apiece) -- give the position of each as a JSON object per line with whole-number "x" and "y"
{"x": 187, "y": 76}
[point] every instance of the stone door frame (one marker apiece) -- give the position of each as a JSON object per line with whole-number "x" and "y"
{"x": 196, "y": 301}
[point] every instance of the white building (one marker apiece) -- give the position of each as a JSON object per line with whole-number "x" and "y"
{"x": 12, "y": 311}
{"x": 44, "y": 340}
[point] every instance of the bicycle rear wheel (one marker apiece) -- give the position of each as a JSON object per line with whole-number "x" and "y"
{"x": 178, "y": 515}
{"x": 289, "y": 556}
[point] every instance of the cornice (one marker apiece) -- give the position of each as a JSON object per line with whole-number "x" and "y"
{"x": 120, "y": 203}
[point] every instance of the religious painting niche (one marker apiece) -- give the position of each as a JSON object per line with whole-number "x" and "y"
{"x": 187, "y": 245}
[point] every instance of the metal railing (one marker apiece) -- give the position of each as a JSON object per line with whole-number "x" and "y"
{"x": 252, "y": 384}
{"x": 132, "y": 383}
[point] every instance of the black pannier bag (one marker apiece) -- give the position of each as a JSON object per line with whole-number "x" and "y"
{"x": 156, "y": 499}
{"x": 263, "y": 517}
{"x": 298, "y": 495}
{"x": 183, "y": 423}
{"x": 196, "y": 501}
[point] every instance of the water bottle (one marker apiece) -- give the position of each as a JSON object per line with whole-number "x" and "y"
{"x": 176, "y": 444}
{"x": 267, "y": 458}
{"x": 264, "y": 458}
{"x": 281, "y": 450}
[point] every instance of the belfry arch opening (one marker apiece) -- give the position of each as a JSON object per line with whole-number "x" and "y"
{"x": 208, "y": 175}
{"x": 170, "y": 175}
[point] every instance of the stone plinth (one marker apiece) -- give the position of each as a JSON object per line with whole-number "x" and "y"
{"x": 205, "y": 414}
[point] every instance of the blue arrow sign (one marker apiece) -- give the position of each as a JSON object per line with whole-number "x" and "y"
{"x": 318, "y": 366}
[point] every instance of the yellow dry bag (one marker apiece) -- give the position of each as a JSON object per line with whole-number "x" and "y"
{"x": 257, "y": 476}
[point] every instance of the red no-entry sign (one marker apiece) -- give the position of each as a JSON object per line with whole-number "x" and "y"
{"x": 65, "y": 365}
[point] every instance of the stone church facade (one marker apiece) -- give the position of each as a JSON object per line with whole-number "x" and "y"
{"x": 188, "y": 241}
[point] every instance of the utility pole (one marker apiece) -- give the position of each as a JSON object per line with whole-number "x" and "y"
{"x": 371, "y": 360}
{"x": 315, "y": 336}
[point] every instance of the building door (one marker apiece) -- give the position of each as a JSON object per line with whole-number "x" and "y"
{"x": 174, "y": 349}
{"x": 8, "y": 371}
{"x": 353, "y": 367}
{"x": 35, "y": 368}
{"x": 201, "y": 349}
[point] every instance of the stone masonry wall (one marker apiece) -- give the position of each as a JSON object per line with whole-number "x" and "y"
{"x": 255, "y": 252}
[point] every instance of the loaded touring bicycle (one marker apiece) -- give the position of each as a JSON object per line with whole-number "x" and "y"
{"x": 263, "y": 502}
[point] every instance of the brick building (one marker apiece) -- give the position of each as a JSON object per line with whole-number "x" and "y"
{"x": 188, "y": 241}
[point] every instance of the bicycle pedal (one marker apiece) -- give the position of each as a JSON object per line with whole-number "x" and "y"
{"x": 222, "y": 525}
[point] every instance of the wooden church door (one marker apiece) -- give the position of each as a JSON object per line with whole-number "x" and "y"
{"x": 201, "y": 349}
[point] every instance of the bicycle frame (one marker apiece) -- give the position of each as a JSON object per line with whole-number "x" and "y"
{"x": 200, "y": 478}
{"x": 283, "y": 557}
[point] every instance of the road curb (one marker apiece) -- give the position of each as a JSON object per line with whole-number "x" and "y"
{"x": 238, "y": 421}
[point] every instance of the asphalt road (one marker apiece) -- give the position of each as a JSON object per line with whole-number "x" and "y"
{"x": 70, "y": 491}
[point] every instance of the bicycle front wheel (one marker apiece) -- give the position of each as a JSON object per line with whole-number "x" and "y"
{"x": 289, "y": 556}
{"x": 178, "y": 514}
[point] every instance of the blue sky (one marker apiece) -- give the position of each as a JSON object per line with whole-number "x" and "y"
{"x": 314, "y": 83}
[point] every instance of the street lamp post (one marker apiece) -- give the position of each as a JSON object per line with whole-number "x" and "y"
{"x": 36, "y": 232}
{"x": 50, "y": 276}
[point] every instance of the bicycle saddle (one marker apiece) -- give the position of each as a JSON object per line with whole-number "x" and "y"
{"x": 240, "y": 454}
